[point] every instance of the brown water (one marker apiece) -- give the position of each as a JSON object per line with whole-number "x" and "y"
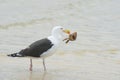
{"x": 95, "y": 55}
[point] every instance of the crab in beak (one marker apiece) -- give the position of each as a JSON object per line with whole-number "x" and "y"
{"x": 71, "y": 36}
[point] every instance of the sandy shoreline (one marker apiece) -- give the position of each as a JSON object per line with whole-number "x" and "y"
{"x": 95, "y": 55}
{"x": 67, "y": 67}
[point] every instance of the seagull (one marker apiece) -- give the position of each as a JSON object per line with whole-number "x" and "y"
{"x": 43, "y": 48}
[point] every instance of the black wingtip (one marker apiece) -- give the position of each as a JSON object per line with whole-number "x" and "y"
{"x": 15, "y": 55}
{"x": 9, "y": 55}
{"x": 12, "y": 55}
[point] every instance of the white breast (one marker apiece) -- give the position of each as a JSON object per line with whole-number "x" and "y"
{"x": 52, "y": 50}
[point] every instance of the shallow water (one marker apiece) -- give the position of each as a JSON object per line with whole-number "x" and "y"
{"x": 68, "y": 67}
{"x": 95, "y": 55}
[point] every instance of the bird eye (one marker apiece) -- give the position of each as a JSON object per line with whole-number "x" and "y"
{"x": 61, "y": 28}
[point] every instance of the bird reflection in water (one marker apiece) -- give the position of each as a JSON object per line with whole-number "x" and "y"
{"x": 34, "y": 76}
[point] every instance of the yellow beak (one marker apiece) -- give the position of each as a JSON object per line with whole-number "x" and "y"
{"x": 66, "y": 31}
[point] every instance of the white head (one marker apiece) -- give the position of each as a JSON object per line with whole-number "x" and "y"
{"x": 58, "y": 31}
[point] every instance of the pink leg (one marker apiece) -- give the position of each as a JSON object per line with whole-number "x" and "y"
{"x": 44, "y": 64}
{"x": 30, "y": 65}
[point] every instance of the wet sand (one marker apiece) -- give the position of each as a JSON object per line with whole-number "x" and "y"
{"x": 85, "y": 66}
{"x": 95, "y": 55}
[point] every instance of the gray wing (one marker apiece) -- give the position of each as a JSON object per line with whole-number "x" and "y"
{"x": 37, "y": 48}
